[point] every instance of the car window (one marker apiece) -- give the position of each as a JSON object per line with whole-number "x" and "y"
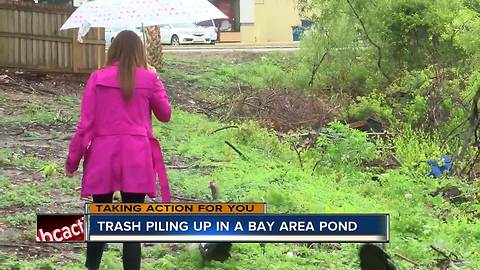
{"x": 205, "y": 23}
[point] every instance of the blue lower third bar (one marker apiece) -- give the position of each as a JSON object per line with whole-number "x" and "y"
{"x": 238, "y": 228}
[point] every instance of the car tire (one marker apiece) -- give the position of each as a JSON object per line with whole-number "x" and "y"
{"x": 175, "y": 41}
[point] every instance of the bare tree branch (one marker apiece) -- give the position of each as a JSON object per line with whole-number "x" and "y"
{"x": 315, "y": 68}
{"x": 379, "y": 50}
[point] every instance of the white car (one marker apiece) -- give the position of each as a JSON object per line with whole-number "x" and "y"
{"x": 184, "y": 33}
{"x": 111, "y": 33}
{"x": 212, "y": 29}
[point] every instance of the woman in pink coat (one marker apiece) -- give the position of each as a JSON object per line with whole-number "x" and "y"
{"x": 114, "y": 136}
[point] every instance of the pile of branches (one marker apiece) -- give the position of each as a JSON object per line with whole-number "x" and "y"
{"x": 281, "y": 110}
{"x": 41, "y": 83}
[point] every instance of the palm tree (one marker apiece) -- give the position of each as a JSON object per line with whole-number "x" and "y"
{"x": 154, "y": 47}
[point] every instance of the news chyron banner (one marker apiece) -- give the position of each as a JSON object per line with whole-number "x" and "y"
{"x": 71, "y": 227}
{"x": 243, "y": 222}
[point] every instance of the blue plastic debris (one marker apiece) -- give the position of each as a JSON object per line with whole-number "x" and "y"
{"x": 436, "y": 171}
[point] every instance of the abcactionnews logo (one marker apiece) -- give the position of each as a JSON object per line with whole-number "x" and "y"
{"x": 51, "y": 229}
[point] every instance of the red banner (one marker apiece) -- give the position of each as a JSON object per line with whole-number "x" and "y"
{"x": 60, "y": 228}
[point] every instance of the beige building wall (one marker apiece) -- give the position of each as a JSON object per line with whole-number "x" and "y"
{"x": 273, "y": 22}
{"x": 247, "y": 33}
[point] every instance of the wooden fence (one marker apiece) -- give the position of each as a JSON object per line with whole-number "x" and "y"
{"x": 30, "y": 38}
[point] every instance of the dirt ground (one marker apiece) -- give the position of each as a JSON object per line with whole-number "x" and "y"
{"x": 38, "y": 140}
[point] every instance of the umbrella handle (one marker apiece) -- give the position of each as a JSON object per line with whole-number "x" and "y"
{"x": 143, "y": 34}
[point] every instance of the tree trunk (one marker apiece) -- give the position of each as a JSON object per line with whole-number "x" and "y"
{"x": 154, "y": 47}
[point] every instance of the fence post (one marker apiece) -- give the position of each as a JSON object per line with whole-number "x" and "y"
{"x": 74, "y": 51}
{"x": 99, "y": 50}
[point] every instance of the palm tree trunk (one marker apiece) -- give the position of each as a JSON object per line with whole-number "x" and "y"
{"x": 154, "y": 47}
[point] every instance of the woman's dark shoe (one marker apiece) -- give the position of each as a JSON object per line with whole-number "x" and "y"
{"x": 373, "y": 257}
{"x": 215, "y": 251}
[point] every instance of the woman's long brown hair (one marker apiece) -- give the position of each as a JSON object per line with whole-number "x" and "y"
{"x": 128, "y": 52}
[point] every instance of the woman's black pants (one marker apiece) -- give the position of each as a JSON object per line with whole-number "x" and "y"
{"x": 132, "y": 252}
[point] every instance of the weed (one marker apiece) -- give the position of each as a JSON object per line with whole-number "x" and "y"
{"x": 9, "y": 157}
{"x": 20, "y": 219}
{"x": 25, "y": 195}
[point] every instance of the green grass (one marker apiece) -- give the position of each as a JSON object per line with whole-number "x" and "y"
{"x": 25, "y": 195}
{"x": 60, "y": 109}
{"x": 34, "y": 112}
{"x": 269, "y": 71}
{"x": 20, "y": 219}
{"x": 20, "y": 160}
{"x": 65, "y": 185}
{"x": 9, "y": 262}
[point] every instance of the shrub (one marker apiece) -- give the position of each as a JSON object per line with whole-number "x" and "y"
{"x": 373, "y": 105}
{"x": 343, "y": 145}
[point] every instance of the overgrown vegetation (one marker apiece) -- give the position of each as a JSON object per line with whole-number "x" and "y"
{"x": 409, "y": 64}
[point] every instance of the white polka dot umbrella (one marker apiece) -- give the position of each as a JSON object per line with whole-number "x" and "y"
{"x": 137, "y": 13}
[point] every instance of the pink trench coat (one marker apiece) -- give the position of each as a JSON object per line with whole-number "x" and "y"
{"x": 115, "y": 137}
